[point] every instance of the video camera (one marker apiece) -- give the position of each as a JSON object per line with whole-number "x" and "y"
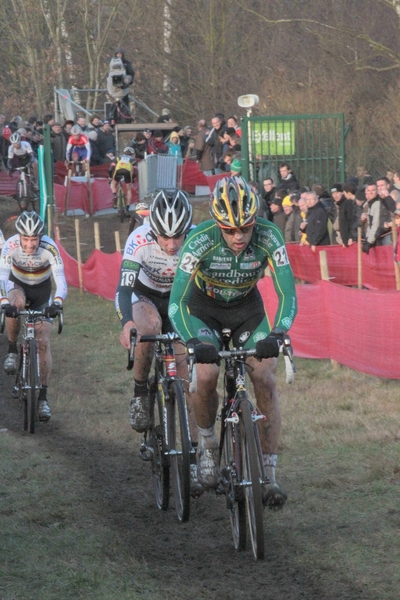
{"x": 118, "y": 81}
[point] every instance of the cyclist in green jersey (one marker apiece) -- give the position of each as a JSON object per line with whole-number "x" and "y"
{"x": 215, "y": 287}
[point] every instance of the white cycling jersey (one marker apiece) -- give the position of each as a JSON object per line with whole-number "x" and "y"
{"x": 25, "y": 148}
{"x": 31, "y": 269}
{"x": 143, "y": 256}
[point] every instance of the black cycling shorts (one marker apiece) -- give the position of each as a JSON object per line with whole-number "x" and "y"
{"x": 123, "y": 173}
{"x": 20, "y": 161}
{"x": 37, "y": 296}
{"x": 246, "y": 318}
{"x": 158, "y": 300}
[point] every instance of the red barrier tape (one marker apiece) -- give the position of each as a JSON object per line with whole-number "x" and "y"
{"x": 353, "y": 327}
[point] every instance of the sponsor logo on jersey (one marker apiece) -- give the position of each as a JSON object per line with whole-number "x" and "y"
{"x": 130, "y": 264}
{"x": 204, "y": 332}
{"x": 172, "y": 310}
{"x": 260, "y": 336}
{"x": 287, "y": 322}
{"x": 215, "y": 265}
{"x": 244, "y": 337}
{"x": 253, "y": 265}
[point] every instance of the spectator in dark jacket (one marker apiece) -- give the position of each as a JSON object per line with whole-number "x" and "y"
{"x": 287, "y": 178}
{"x": 58, "y": 142}
{"x": 267, "y": 194}
{"x": 156, "y": 144}
{"x": 343, "y": 225}
{"x": 106, "y": 142}
{"x": 317, "y": 222}
{"x": 278, "y": 214}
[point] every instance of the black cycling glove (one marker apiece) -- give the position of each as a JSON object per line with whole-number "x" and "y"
{"x": 269, "y": 346}
{"x": 11, "y": 311}
{"x": 52, "y": 311}
{"x": 204, "y": 353}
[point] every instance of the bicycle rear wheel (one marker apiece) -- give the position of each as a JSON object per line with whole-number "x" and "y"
{"x": 234, "y": 495}
{"x": 121, "y": 204}
{"x": 159, "y": 457}
{"x": 179, "y": 447}
{"x": 31, "y": 383}
{"x": 252, "y": 476}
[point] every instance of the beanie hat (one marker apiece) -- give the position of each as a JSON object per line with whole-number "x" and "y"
{"x": 287, "y": 201}
{"x": 236, "y": 165}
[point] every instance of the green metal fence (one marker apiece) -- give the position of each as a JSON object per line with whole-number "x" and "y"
{"x": 313, "y": 145}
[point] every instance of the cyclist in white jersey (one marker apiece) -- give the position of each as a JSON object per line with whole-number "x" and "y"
{"x": 28, "y": 260}
{"x": 20, "y": 154}
{"x": 147, "y": 271}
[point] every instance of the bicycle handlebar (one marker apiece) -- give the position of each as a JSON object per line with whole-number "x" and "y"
{"x": 161, "y": 337}
{"x": 32, "y": 313}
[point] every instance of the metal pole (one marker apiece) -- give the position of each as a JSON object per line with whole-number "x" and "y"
{"x": 48, "y": 168}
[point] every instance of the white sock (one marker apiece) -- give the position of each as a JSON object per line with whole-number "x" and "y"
{"x": 270, "y": 461}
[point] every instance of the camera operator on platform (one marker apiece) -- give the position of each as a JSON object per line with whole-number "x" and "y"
{"x": 120, "y": 77}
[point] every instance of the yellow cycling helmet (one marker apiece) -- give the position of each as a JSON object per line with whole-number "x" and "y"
{"x": 233, "y": 203}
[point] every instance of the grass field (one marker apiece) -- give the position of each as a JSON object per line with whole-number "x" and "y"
{"x": 78, "y": 519}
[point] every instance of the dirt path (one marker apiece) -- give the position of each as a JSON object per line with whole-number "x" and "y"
{"x": 197, "y": 556}
{"x": 199, "y": 552}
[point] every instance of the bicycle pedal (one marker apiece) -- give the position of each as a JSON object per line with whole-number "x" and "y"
{"x": 15, "y": 392}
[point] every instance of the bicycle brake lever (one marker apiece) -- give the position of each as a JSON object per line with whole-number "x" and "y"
{"x": 131, "y": 351}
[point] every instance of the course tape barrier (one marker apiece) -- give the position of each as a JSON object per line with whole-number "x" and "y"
{"x": 378, "y": 268}
{"x": 356, "y": 328}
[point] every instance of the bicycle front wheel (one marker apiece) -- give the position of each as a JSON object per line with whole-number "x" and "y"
{"x": 21, "y": 196}
{"x": 179, "y": 447}
{"x": 231, "y": 471}
{"x": 252, "y": 480}
{"x": 160, "y": 459}
{"x": 31, "y": 383}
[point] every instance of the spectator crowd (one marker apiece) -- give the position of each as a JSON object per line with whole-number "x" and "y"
{"x": 314, "y": 216}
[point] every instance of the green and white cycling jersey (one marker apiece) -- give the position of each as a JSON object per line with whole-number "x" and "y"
{"x": 208, "y": 264}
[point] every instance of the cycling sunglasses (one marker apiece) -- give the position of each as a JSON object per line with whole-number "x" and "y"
{"x": 233, "y": 230}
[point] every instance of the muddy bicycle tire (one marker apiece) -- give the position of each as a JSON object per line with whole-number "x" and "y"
{"x": 252, "y": 473}
{"x": 232, "y": 468}
{"x": 31, "y": 384}
{"x": 159, "y": 458}
{"x": 179, "y": 449}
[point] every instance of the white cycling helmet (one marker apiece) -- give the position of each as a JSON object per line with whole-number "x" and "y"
{"x": 129, "y": 150}
{"x": 75, "y": 130}
{"x": 15, "y": 138}
{"x": 170, "y": 213}
{"x": 29, "y": 224}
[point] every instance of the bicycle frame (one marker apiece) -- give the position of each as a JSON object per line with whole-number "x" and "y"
{"x": 27, "y": 381}
{"x": 167, "y": 443}
{"x": 235, "y": 384}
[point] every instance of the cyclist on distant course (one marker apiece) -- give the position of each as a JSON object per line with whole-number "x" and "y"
{"x": 20, "y": 154}
{"x": 78, "y": 143}
{"x": 215, "y": 287}
{"x": 27, "y": 261}
{"x": 124, "y": 168}
{"x": 147, "y": 272}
